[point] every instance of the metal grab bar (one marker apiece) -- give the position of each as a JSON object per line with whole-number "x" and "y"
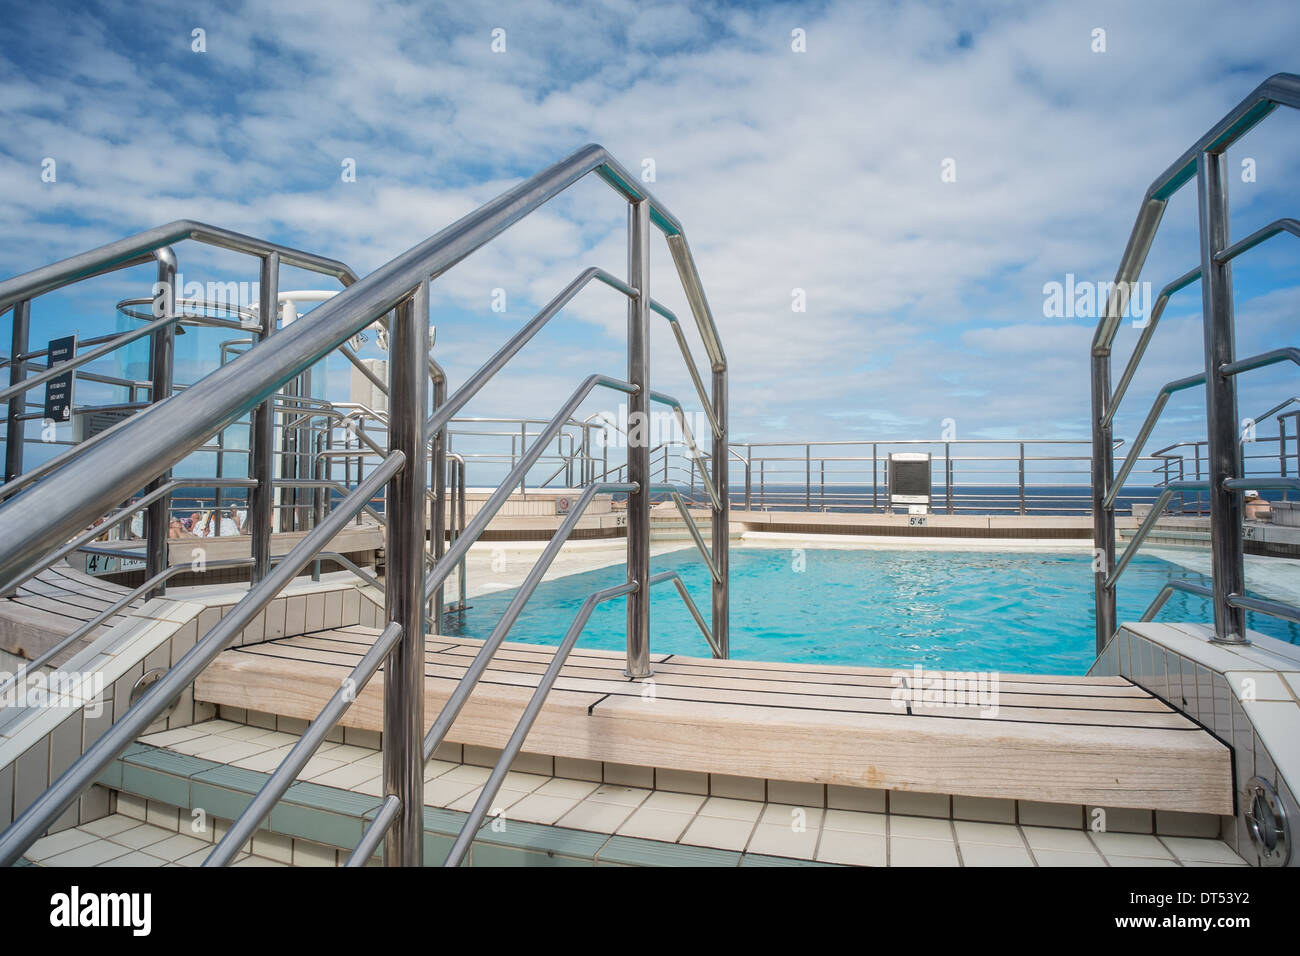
{"x": 1150, "y": 522}
{"x": 1140, "y": 349}
{"x": 376, "y": 832}
{"x": 45, "y": 809}
{"x": 159, "y": 578}
{"x": 516, "y": 742}
{"x": 450, "y": 710}
{"x": 470, "y": 534}
{"x": 493, "y": 784}
{"x": 1165, "y": 592}
{"x": 1140, "y": 440}
{"x": 285, "y": 774}
{"x": 690, "y": 526}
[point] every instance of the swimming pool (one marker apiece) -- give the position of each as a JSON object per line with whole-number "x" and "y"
{"x": 1027, "y": 612}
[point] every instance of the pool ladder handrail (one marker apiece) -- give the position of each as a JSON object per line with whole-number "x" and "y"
{"x": 142, "y": 449}
{"x": 1204, "y": 161}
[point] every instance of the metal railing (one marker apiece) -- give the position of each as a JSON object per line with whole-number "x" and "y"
{"x": 971, "y": 476}
{"x": 1205, "y": 162}
{"x": 140, "y": 451}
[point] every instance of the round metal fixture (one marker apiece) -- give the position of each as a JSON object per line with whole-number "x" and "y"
{"x": 147, "y": 680}
{"x": 1267, "y": 823}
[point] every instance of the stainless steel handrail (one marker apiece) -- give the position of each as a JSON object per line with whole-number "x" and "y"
{"x": 45, "y": 809}
{"x": 492, "y": 786}
{"x": 1148, "y": 425}
{"x": 465, "y": 686}
{"x": 162, "y": 435}
{"x": 242, "y": 829}
{"x": 376, "y": 832}
{"x": 1165, "y": 592}
{"x": 442, "y": 568}
{"x": 1204, "y": 160}
{"x": 1150, "y": 522}
{"x": 138, "y": 248}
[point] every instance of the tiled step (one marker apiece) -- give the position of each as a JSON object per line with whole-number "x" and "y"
{"x": 555, "y": 821}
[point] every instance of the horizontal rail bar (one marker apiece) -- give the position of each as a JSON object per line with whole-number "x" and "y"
{"x": 1154, "y": 607}
{"x": 1278, "y": 609}
{"x": 1255, "y": 238}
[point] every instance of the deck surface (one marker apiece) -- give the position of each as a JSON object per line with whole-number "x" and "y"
{"x": 51, "y": 606}
{"x": 1084, "y": 740}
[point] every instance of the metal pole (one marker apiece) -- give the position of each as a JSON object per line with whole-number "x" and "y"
{"x": 15, "y": 432}
{"x": 1281, "y": 451}
{"x": 875, "y": 481}
{"x": 1103, "y": 516}
{"x": 638, "y": 449}
{"x": 161, "y": 355}
{"x": 1022, "y": 477}
{"x": 404, "y": 579}
{"x": 947, "y": 477}
{"x": 749, "y": 478}
{"x": 1224, "y": 454}
{"x": 261, "y": 433}
{"x": 807, "y": 477}
{"x": 722, "y": 518}
{"x": 438, "y": 506}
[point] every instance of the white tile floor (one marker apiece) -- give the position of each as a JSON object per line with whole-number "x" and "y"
{"x": 813, "y": 833}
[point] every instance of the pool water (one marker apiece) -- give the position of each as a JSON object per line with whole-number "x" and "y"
{"x": 965, "y": 610}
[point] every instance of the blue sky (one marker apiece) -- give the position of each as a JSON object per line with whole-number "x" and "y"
{"x": 817, "y": 170}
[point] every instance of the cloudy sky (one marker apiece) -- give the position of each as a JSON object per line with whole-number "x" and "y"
{"x": 819, "y": 170}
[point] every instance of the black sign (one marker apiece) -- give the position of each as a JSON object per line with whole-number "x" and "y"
{"x": 58, "y": 391}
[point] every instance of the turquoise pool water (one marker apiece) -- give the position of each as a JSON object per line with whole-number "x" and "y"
{"x": 966, "y": 610}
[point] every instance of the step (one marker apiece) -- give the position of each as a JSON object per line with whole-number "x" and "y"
{"x": 545, "y": 820}
{"x": 1075, "y": 741}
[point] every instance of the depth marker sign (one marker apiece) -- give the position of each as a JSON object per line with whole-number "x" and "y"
{"x": 58, "y": 391}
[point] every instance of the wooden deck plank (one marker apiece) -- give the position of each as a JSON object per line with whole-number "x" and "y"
{"x": 1065, "y": 740}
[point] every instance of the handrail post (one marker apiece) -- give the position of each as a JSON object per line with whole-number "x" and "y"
{"x": 722, "y": 518}
{"x": 161, "y": 364}
{"x": 1103, "y": 515}
{"x": 947, "y": 477}
{"x": 261, "y": 432}
{"x": 638, "y": 446}
{"x": 1224, "y": 453}
{"x": 807, "y": 477}
{"x": 1022, "y": 478}
{"x": 404, "y": 579}
{"x": 15, "y": 429}
{"x": 438, "y": 506}
{"x": 1281, "y": 450}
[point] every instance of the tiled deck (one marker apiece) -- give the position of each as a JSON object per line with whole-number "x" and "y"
{"x": 638, "y": 824}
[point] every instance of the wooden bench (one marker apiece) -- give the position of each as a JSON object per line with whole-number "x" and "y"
{"x": 1080, "y": 740}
